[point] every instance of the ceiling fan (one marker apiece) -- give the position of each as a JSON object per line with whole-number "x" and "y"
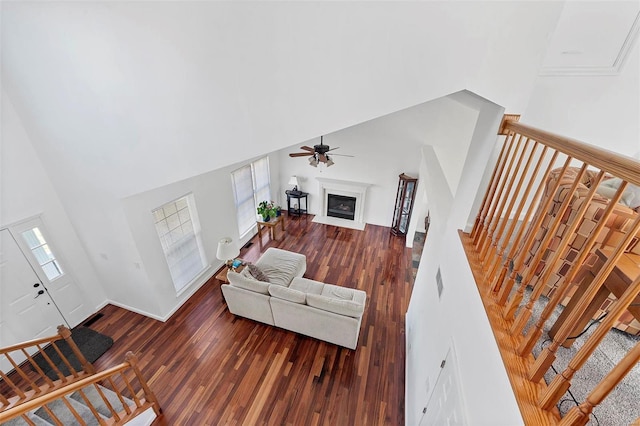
{"x": 318, "y": 154}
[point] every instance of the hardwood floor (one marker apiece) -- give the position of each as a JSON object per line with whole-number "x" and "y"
{"x": 209, "y": 367}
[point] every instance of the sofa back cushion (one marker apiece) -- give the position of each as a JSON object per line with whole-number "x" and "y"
{"x": 285, "y": 293}
{"x": 247, "y": 282}
{"x": 337, "y": 306}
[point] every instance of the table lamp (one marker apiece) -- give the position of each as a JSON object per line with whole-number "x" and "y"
{"x": 227, "y": 250}
{"x": 294, "y": 181}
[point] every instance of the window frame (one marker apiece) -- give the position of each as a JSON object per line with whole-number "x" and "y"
{"x": 171, "y": 243}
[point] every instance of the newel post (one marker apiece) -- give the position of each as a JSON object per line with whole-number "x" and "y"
{"x": 132, "y": 359}
{"x": 65, "y": 333}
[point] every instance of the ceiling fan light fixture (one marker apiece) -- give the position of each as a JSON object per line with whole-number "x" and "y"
{"x": 329, "y": 161}
{"x": 313, "y": 161}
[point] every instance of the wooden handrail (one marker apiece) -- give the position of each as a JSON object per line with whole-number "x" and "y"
{"x": 618, "y": 165}
{"x": 548, "y": 253}
{"x": 149, "y": 400}
{"x": 32, "y": 382}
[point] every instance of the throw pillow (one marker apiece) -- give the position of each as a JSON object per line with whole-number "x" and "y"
{"x": 257, "y": 273}
{"x": 247, "y": 282}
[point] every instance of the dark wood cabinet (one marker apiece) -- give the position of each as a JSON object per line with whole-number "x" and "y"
{"x": 404, "y": 204}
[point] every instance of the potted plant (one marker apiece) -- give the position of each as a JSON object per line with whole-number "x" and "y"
{"x": 267, "y": 210}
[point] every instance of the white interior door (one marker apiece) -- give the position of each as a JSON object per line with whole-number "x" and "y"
{"x": 47, "y": 262}
{"x": 26, "y": 309}
{"x": 446, "y": 405}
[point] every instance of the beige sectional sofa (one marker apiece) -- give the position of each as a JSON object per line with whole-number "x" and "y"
{"x": 286, "y": 300}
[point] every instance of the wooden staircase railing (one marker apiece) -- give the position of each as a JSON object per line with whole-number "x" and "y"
{"x": 125, "y": 380}
{"x": 539, "y": 228}
{"x": 27, "y": 379}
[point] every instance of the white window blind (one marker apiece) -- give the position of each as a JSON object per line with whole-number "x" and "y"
{"x": 179, "y": 233}
{"x": 251, "y": 185}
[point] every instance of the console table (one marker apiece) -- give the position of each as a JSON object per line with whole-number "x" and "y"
{"x": 271, "y": 224}
{"x": 296, "y": 195}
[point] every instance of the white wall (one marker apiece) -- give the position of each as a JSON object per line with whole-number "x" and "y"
{"x": 215, "y": 207}
{"x": 458, "y": 317}
{"x": 599, "y": 110}
{"x": 383, "y": 149}
{"x": 26, "y": 191}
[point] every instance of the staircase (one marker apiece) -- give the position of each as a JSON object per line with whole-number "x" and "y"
{"x": 545, "y": 240}
{"x": 118, "y": 395}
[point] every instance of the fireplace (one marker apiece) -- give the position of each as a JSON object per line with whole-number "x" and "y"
{"x": 347, "y": 204}
{"x": 341, "y": 206}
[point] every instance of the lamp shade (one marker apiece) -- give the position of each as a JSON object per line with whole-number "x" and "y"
{"x": 293, "y": 181}
{"x": 227, "y": 249}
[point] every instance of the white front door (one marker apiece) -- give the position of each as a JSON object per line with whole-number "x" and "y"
{"x": 49, "y": 266}
{"x": 26, "y": 310}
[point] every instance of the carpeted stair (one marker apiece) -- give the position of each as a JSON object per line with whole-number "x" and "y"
{"x": 41, "y": 418}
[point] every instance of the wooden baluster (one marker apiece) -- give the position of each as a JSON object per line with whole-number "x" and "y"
{"x": 486, "y": 201}
{"x": 27, "y": 420}
{"x": 519, "y": 263}
{"x": 122, "y": 401}
{"x": 495, "y": 197}
{"x": 64, "y": 359}
{"x": 35, "y": 366}
{"x": 52, "y": 416}
{"x": 502, "y": 215}
{"x": 91, "y": 407}
{"x": 108, "y": 404}
{"x": 12, "y": 385}
{"x": 513, "y": 247}
{"x": 132, "y": 392}
{"x": 562, "y": 382}
{"x": 73, "y": 411}
{"x": 36, "y": 389}
{"x": 501, "y": 239}
{"x": 132, "y": 359}
{"x": 546, "y": 358}
{"x": 66, "y": 335}
{"x": 53, "y": 366}
{"x": 580, "y": 415}
{"x": 502, "y": 195}
{"x": 534, "y": 334}
{"x": 551, "y": 264}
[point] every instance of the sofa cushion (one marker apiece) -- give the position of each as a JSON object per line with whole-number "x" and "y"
{"x": 306, "y": 285}
{"x": 281, "y": 266}
{"x": 337, "y": 292}
{"x": 285, "y": 293}
{"x": 630, "y": 195}
{"x": 337, "y": 306}
{"x": 257, "y": 273}
{"x": 247, "y": 282}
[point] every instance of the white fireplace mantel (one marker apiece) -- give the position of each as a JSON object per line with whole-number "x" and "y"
{"x": 348, "y": 188}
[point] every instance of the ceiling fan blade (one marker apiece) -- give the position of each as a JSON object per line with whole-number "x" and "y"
{"x": 343, "y": 155}
{"x": 300, "y": 154}
{"x": 322, "y": 158}
{"x": 333, "y": 148}
{"x": 307, "y": 148}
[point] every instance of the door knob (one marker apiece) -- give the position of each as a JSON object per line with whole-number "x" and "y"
{"x": 36, "y": 285}
{"x": 40, "y": 293}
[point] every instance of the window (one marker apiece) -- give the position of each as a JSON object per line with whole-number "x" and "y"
{"x": 251, "y": 184}
{"x": 179, "y": 232}
{"x": 42, "y": 252}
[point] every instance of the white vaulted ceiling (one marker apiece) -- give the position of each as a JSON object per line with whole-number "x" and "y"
{"x": 121, "y": 97}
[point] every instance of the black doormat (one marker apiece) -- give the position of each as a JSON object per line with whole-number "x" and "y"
{"x": 91, "y": 343}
